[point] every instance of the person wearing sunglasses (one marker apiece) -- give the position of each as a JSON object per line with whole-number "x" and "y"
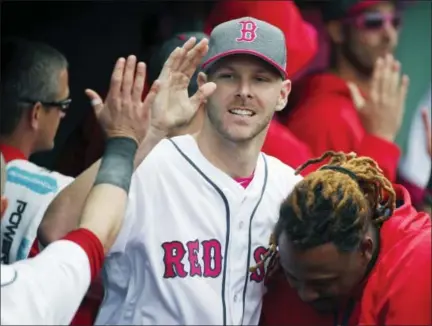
{"x": 34, "y": 98}
{"x": 359, "y": 98}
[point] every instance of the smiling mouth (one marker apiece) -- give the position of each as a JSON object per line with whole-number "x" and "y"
{"x": 242, "y": 112}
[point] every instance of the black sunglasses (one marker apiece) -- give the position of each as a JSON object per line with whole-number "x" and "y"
{"x": 62, "y": 105}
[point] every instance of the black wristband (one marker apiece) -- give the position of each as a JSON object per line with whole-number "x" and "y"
{"x": 117, "y": 163}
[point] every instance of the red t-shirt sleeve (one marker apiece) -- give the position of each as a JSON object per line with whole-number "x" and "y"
{"x": 92, "y": 246}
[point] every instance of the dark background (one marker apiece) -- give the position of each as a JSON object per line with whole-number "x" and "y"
{"x": 92, "y": 35}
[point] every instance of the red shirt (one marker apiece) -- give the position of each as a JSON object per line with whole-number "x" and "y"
{"x": 283, "y": 145}
{"x": 89, "y": 308}
{"x": 325, "y": 118}
{"x": 397, "y": 291}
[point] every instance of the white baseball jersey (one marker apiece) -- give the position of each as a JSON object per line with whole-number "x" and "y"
{"x": 29, "y": 190}
{"x": 415, "y": 166}
{"x": 47, "y": 289}
{"x": 190, "y": 234}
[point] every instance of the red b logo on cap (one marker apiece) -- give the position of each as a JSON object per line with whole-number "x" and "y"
{"x": 248, "y": 31}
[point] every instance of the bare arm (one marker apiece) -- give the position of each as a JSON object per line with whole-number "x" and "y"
{"x": 64, "y": 212}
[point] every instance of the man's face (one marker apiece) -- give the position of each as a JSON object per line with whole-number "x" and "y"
{"x": 50, "y": 116}
{"x": 322, "y": 276}
{"x": 370, "y": 35}
{"x": 248, "y": 93}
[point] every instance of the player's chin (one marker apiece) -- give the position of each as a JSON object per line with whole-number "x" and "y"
{"x": 240, "y": 134}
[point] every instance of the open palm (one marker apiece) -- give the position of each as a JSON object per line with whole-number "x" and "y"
{"x": 172, "y": 107}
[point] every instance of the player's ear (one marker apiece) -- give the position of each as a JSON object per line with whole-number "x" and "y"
{"x": 284, "y": 93}
{"x": 34, "y": 115}
{"x": 3, "y": 206}
{"x": 201, "y": 79}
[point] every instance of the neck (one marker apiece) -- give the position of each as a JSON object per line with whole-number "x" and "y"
{"x": 346, "y": 71}
{"x": 238, "y": 160}
{"x": 23, "y": 142}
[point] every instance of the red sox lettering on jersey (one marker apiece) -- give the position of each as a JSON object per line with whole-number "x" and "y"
{"x": 178, "y": 254}
{"x": 191, "y": 231}
{"x": 248, "y": 31}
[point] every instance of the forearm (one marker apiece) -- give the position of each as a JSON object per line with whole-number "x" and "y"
{"x": 62, "y": 215}
{"x": 107, "y": 202}
{"x": 65, "y": 211}
{"x": 152, "y": 139}
{"x": 107, "y": 199}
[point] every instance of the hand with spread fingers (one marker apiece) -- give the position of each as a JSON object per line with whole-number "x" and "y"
{"x": 382, "y": 110}
{"x": 172, "y": 107}
{"x": 123, "y": 113}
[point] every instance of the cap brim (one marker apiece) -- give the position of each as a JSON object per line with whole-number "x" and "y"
{"x": 212, "y": 60}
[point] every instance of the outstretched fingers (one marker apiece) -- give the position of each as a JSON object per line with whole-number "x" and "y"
{"x": 151, "y": 95}
{"x": 174, "y": 61}
{"x": 202, "y": 94}
{"x": 193, "y": 58}
{"x": 117, "y": 78}
{"x": 95, "y": 100}
{"x": 139, "y": 82}
{"x": 376, "y": 79}
{"x": 128, "y": 76}
{"x": 403, "y": 89}
{"x": 189, "y": 44}
{"x": 359, "y": 101}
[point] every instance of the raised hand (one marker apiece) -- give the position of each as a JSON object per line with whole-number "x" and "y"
{"x": 382, "y": 110}
{"x": 123, "y": 113}
{"x": 172, "y": 107}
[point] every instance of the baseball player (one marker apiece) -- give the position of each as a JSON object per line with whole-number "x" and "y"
{"x": 49, "y": 288}
{"x": 201, "y": 207}
{"x": 34, "y": 84}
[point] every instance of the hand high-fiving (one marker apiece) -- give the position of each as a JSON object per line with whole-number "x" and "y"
{"x": 382, "y": 110}
{"x": 172, "y": 107}
{"x": 123, "y": 113}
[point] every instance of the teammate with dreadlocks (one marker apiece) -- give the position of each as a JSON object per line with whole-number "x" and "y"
{"x": 349, "y": 249}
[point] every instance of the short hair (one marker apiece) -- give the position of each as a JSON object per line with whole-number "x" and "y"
{"x": 335, "y": 204}
{"x": 29, "y": 72}
{"x": 2, "y": 174}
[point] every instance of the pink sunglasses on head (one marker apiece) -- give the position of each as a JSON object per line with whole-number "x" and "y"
{"x": 375, "y": 20}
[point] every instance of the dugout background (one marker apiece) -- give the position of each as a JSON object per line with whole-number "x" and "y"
{"x": 92, "y": 34}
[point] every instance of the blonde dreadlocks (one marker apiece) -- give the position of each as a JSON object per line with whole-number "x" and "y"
{"x": 335, "y": 204}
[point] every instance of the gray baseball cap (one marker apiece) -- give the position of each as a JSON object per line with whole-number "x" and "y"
{"x": 248, "y": 35}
